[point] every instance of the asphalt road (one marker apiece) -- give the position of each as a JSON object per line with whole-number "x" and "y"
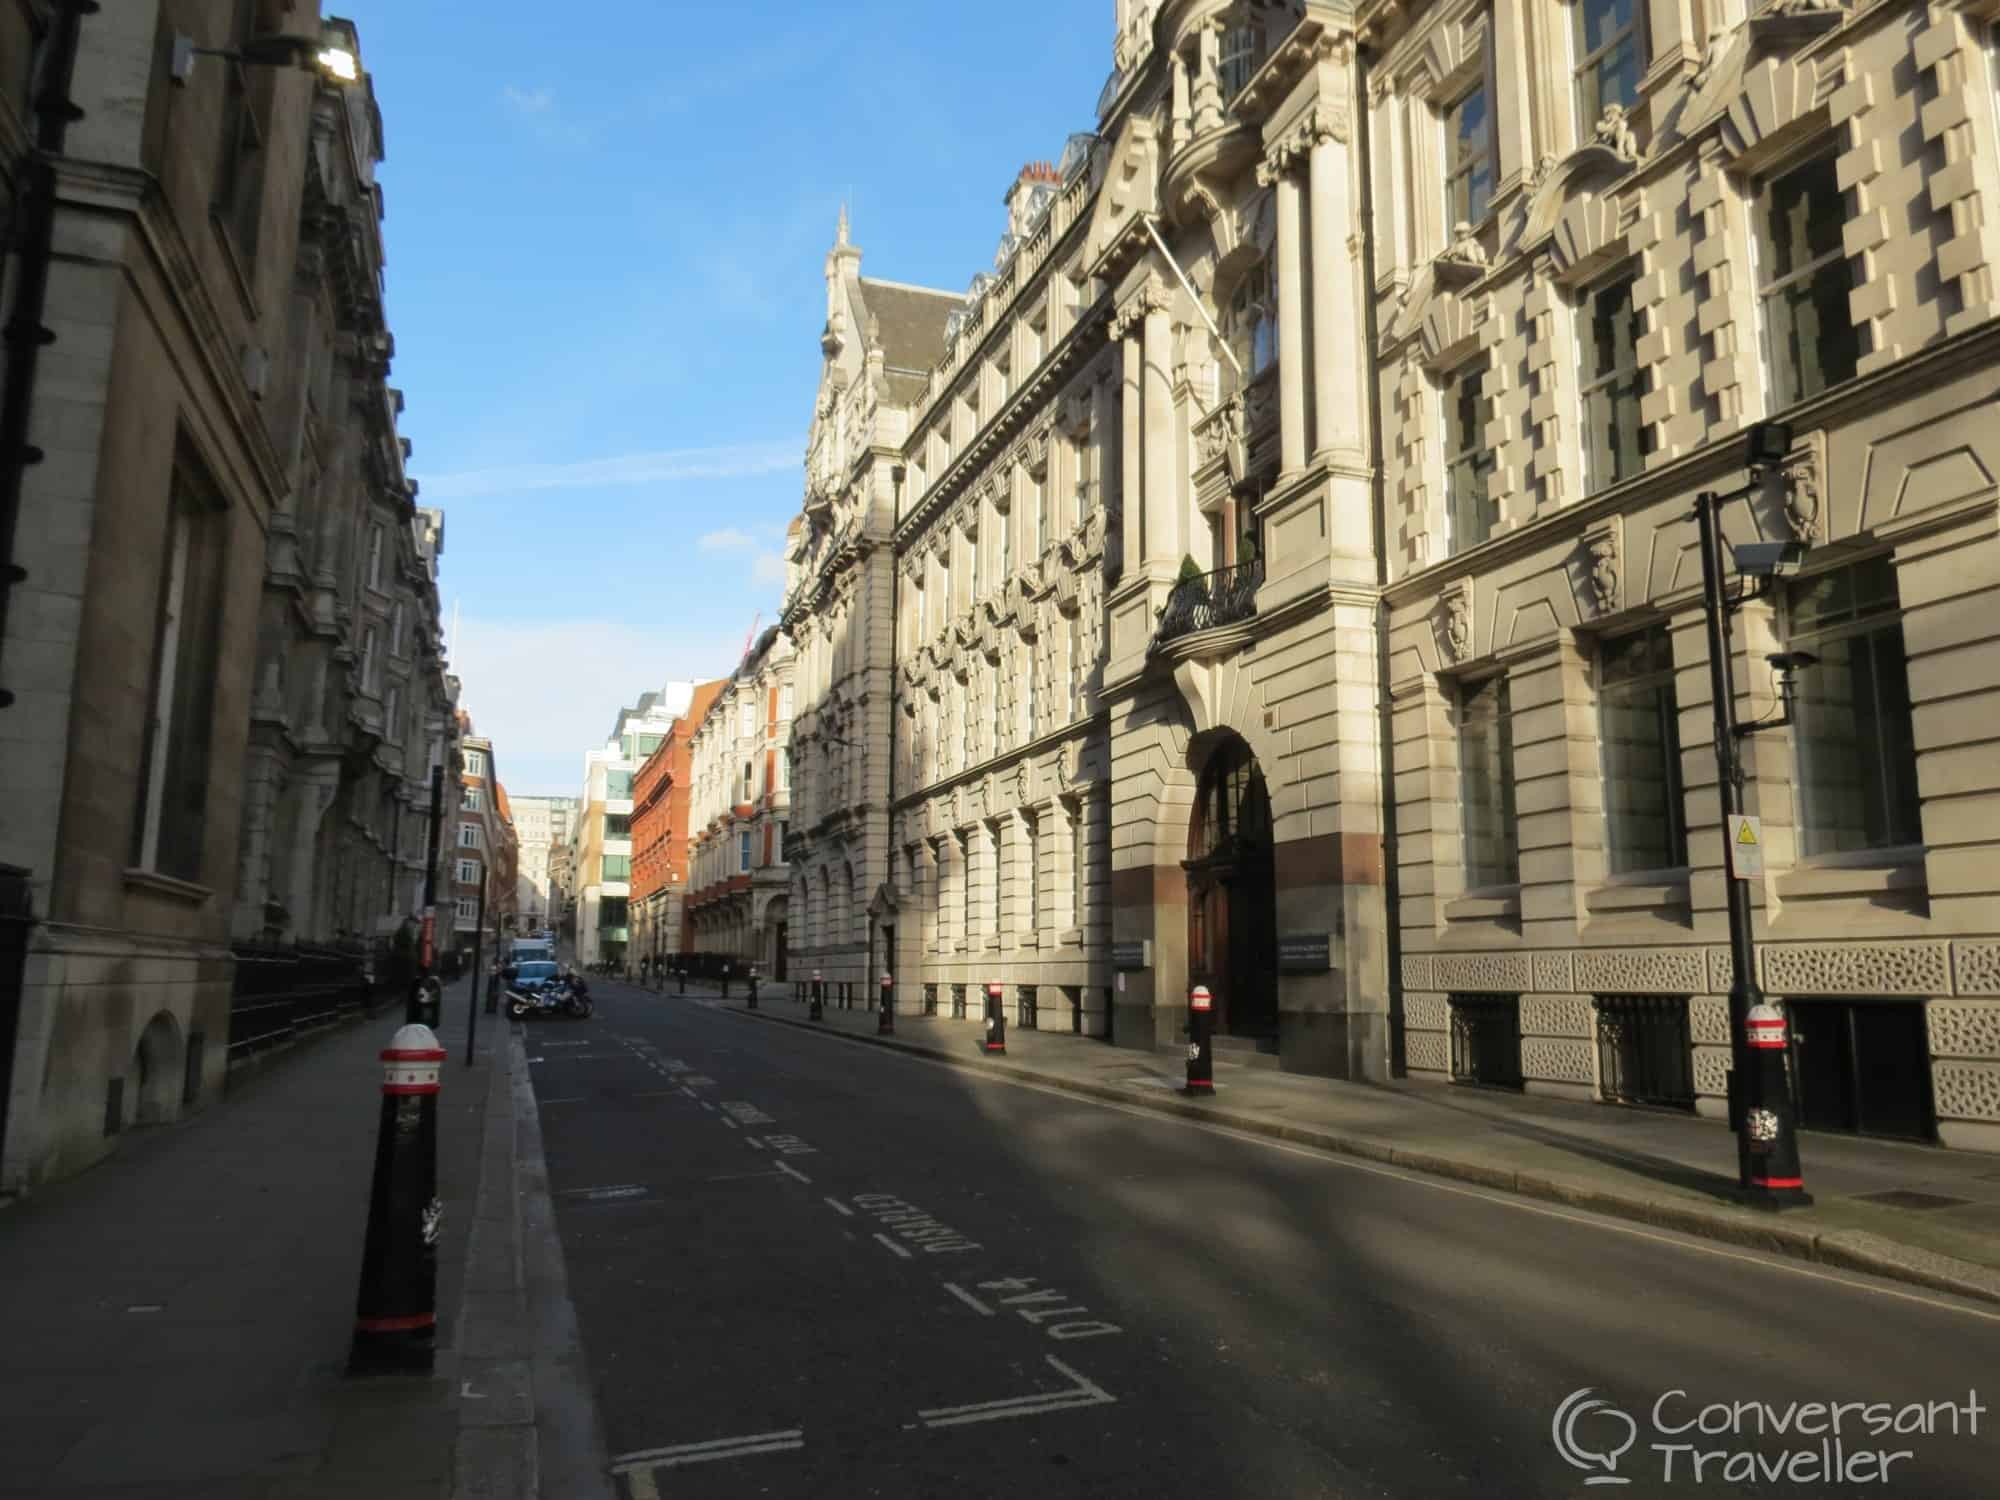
{"x": 810, "y": 1268}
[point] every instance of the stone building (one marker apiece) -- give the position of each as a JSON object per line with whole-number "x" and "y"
{"x": 739, "y": 811}
{"x": 1655, "y": 229}
{"x": 1387, "y": 347}
{"x": 662, "y": 791}
{"x": 205, "y": 446}
{"x": 601, "y": 872}
{"x": 543, "y": 824}
{"x": 481, "y": 849}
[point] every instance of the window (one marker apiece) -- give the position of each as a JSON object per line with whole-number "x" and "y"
{"x": 1639, "y": 722}
{"x": 965, "y": 884}
{"x": 1609, "y": 43}
{"x": 1486, "y": 781}
{"x": 1614, "y": 441}
{"x": 1252, "y": 321}
{"x": 396, "y": 630}
{"x": 996, "y": 891}
{"x": 785, "y": 701}
{"x": 368, "y": 641}
{"x": 470, "y": 836}
{"x": 187, "y": 631}
{"x": 618, "y": 825}
{"x": 468, "y": 872}
{"x": 1857, "y": 752}
{"x": 1006, "y": 524}
{"x": 468, "y": 911}
{"x": 1078, "y": 883}
{"x": 1803, "y": 278}
{"x": 475, "y": 763}
{"x": 617, "y": 786}
{"x": 375, "y": 535}
{"x": 1242, "y": 46}
{"x": 749, "y": 789}
{"x": 1468, "y": 170}
{"x": 648, "y": 743}
{"x": 470, "y": 798}
{"x": 1076, "y": 666}
{"x": 1470, "y": 510}
{"x": 612, "y": 914}
{"x": 785, "y": 769}
{"x": 392, "y": 715}
{"x": 1028, "y": 704}
{"x": 239, "y": 178}
{"x": 743, "y": 851}
{"x": 1044, "y": 532}
{"x": 1003, "y": 380}
{"x": 746, "y": 719}
{"x": 617, "y": 867}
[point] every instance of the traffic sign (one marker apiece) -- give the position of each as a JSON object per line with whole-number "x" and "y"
{"x": 1746, "y": 846}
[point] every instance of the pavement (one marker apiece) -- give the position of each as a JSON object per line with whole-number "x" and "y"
{"x": 805, "y": 1268}
{"x": 177, "y": 1319}
{"x": 1914, "y": 1213}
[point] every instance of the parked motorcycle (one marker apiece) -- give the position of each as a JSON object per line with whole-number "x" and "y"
{"x": 550, "y": 1000}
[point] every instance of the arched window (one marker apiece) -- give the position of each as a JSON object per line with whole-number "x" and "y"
{"x": 1233, "y": 808}
{"x": 1250, "y": 323}
{"x": 1242, "y": 50}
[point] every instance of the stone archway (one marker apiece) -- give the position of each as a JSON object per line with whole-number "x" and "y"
{"x": 158, "y": 1068}
{"x": 1232, "y": 894}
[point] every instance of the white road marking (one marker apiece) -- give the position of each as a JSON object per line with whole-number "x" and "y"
{"x": 1082, "y": 1392}
{"x": 573, "y": 1099}
{"x": 655, "y": 1455}
{"x": 891, "y": 1244}
{"x": 968, "y": 1299}
{"x": 1782, "y": 1264}
{"x": 625, "y": 1190}
{"x": 704, "y": 1104}
{"x": 839, "y": 1207}
{"x": 739, "y": 1176}
{"x": 751, "y": 1140}
{"x": 731, "y": 1123}
{"x": 656, "y": 1094}
{"x": 566, "y": 1044}
{"x": 639, "y": 1468}
{"x": 791, "y": 1171}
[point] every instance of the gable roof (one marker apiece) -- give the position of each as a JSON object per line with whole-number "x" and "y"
{"x": 911, "y": 321}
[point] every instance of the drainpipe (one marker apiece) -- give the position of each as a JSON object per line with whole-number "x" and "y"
{"x": 1391, "y": 885}
{"x": 23, "y": 336}
{"x": 897, "y": 474}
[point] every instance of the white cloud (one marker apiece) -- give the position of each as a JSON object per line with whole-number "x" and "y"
{"x": 742, "y": 461}
{"x": 529, "y": 101}
{"x": 768, "y": 568}
{"x": 548, "y": 690}
{"x": 728, "y": 539}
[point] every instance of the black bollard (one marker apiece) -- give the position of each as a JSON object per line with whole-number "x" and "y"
{"x": 817, "y": 1010}
{"x": 1201, "y": 1042}
{"x": 996, "y": 1020}
{"x": 1772, "y": 1136}
{"x": 682, "y": 976}
{"x": 753, "y": 986}
{"x": 725, "y": 981}
{"x": 885, "y": 1024}
{"x": 395, "y": 1316}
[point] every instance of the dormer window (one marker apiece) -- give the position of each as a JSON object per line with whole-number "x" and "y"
{"x": 1242, "y": 50}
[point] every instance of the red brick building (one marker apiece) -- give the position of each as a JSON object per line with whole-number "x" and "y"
{"x": 659, "y": 837}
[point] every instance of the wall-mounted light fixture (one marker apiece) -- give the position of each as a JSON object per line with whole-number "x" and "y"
{"x": 335, "y": 64}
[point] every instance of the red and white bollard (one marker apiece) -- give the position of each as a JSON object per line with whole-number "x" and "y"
{"x": 1201, "y": 1042}
{"x": 1771, "y": 1141}
{"x": 395, "y": 1316}
{"x": 885, "y": 1023}
{"x": 996, "y": 1020}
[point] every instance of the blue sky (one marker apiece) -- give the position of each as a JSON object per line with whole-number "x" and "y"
{"x": 606, "y": 230}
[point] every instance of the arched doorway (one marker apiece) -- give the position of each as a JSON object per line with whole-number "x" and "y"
{"x": 1232, "y": 907}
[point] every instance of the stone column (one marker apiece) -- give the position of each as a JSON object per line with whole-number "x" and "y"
{"x": 1099, "y": 459}
{"x": 1129, "y": 467}
{"x": 1291, "y": 309}
{"x": 1336, "y": 320}
{"x": 1163, "y": 528}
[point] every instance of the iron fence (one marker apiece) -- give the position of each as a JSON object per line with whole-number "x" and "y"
{"x": 1645, "y": 1054}
{"x": 1024, "y": 1007}
{"x": 278, "y": 994}
{"x": 1486, "y": 1040}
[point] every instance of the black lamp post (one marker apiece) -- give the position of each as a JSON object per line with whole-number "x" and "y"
{"x": 1761, "y": 1106}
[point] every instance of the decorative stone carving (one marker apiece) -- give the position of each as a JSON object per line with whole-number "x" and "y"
{"x": 1426, "y": 1012}
{"x": 1504, "y": 972}
{"x": 1977, "y": 966}
{"x": 1711, "y": 1071}
{"x": 1453, "y": 622}
{"x": 1073, "y": 419}
{"x": 1427, "y": 1052}
{"x": 1557, "y": 1060}
{"x": 1721, "y": 971}
{"x": 1328, "y": 122}
{"x": 1024, "y": 784}
{"x": 1150, "y": 297}
{"x": 1800, "y": 480}
{"x": 1557, "y": 1015}
{"x": 1718, "y": 43}
{"x": 1615, "y": 133}
{"x": 1964, "y": 1030}
{"x": 1552, "y": 973}
{"x": 1966, "y": 1090}
{"x": 1416, "y": 971}
{"x": 1641, "y": 971}
{"x": 1708, "y": 1020}
{"x": 1912, "y": 968}
{"x": 1600, "y": 570}
{"x": 1807, "y": 7}
{"x": 1465, "y": 247}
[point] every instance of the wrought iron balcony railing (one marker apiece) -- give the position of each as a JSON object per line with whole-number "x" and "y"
{"x": 1219, "y": 598}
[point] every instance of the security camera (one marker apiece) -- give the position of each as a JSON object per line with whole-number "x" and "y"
{"x": 1769, "y": 559}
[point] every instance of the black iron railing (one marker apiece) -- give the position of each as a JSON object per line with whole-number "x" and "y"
{"x": 1486, "y": 1040}
{"x": 279, "y": 994}
{"x": 1219, "y": 598}
{"x": 1644, "y": 1051}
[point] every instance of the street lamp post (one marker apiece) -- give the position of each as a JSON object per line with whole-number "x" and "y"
{"x": 1761, "y": 1109}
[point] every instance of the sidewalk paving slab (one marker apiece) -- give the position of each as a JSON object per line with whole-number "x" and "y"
{"x": 179, "y": 1316}
{"x": 1656, "y": 1167}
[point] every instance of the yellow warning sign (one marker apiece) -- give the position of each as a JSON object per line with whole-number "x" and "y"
{"x": 1746, "y": 846}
